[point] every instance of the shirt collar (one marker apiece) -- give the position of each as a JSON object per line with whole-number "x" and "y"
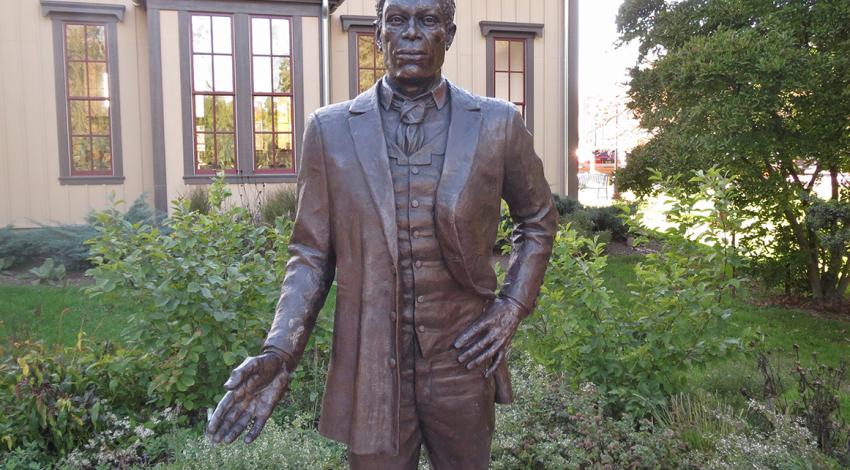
{"x": 440, "y": 93}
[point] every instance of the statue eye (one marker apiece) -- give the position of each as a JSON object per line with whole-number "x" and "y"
{"x": 395, "y": 20}
{"x": 430, "y": 21}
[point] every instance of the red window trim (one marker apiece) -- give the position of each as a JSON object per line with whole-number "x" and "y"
{"x": 374, "y": 68}
{"x": 195, "y": 93}
{"x": 69, "y": 99}
{"x": 509, "y": 71}
{"x": 272, "y": 95}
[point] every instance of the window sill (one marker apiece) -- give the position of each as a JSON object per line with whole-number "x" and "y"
{"x": 243, "y": 179}
{"x": 90, "y": 180}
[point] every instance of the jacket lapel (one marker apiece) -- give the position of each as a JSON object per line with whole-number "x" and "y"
{"x": 367, "y": 133}
{"x": 460, "y": 154}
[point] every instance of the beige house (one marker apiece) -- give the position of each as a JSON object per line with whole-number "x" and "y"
{"x": 119, "y": 97}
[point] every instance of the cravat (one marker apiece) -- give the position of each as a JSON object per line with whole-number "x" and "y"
{"x": 409, "y": 136}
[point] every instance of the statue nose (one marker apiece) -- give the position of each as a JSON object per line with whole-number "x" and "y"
{"x": 411, "y": 31}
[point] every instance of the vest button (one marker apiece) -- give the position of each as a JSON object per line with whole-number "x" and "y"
{"x": 391, "y": 362}
{"x": 418, "y": 264}
{"x": 421, "y": 329}
{"x": 414, "y": 203}
{"x": 416, "y": 234}
{"x": 415, "y": 170}
{"x": 393, "y": 316}
{"x": 420, "y": 299}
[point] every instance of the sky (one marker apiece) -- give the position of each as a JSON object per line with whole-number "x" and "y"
{"x": 603, "y": 72}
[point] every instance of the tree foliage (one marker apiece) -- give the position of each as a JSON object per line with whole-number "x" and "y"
{"x": 761, "y": 89}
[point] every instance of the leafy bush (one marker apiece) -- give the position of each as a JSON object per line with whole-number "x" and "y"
{"x": 49, "y": 271}
{"x": 64, "y": 243}
{"x": 199, "y": 199}
{"x": 637, "y": 353}
{"x": 205, "y": 286}
{"x": 292, "y": 445}
{"x": 54, "y": 400}
{"x": 551, "y": 427}
{"x": 282, "y": 202}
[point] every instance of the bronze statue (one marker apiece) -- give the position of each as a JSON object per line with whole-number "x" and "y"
{"x": 399, "y": 195}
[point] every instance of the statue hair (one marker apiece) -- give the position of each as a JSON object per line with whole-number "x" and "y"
{"x": 447, "y": 6}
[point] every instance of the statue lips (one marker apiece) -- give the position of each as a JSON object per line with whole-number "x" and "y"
{"x": 411, "y": 55}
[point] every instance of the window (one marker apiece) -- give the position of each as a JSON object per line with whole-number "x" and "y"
{"x": 365, "y": 61}
{"x": 510, "y": 64}
{"x": 509, "y": 71}
{"x": 86, "y": 69}
{"x": 213, "y": 94}
{"x": 370, "y": 61}
{"x": 241, "y": 93}
{"x": 271, "y": 70}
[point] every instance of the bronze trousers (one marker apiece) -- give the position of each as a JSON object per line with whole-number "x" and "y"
{"x": 443, "y": 405}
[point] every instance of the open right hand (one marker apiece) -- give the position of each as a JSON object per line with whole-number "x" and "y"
{"x": 253, "y": 390}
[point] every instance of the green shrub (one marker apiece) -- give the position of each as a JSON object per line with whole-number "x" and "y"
{"x": 54, "y": 400}
{"x": 609, "y": 219}
{"x": 205, "y": 287}
{"x": 49, "y": 271}
{"x": 292, "y": 445}
{"x": 637, "y": 352}
{"x": 565, "y": 205}
{"x": 199, "y": 199}
{"x": 281, "y": 202}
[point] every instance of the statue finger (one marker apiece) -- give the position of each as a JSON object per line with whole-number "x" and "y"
{"x": 499, "y": 358}
{"x": 474, "y": 330}
{"x": 238, "y": 375}
{"x": 476, "y": 348}
{"x": 220, "y": 411}
{"x": 237, "y": 428}
{"x": 237, "y": 411}
{"x": 257, "y": 428}
{"x": 485, "y": 356}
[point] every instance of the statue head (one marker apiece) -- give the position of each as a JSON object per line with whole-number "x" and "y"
{"x": 414, "y": 36}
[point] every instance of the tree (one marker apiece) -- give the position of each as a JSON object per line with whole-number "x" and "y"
{"x": 761, "y": 89}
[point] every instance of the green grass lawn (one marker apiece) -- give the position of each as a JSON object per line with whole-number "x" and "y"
{"x": 55, "y": 315}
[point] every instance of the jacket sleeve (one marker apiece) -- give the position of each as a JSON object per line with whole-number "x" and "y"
{"x": 311, "y": 266}
{"x": 533, "y": 210}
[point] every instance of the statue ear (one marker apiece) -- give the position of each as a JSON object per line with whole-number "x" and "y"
{"x": 378, "y": 38}
{"x": 451, "y": 30}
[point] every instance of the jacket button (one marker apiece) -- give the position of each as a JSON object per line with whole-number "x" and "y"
{"x": 416, "y": 234}
{"x": 421, "y": 329}
{"x": 391, "y": 362}
{"x": 415, "y": 171}
{"x": 418, "y": 264}
{"x": 414, "y": 203}
{"x": 420, "y": 299}
{"x": 393, "y": 316}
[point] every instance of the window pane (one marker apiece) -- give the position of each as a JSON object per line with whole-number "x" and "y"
{"x": 224, "y": 113}
{"x": 204, "y": 114}
{"x": 280, "y": 37}
{"x": 75, "y": 41}
{"x": 98, "y": 80}
{"x": 223, "y": 73}
{"x": 367, "y": 79}
{"x": 283, "y": 155}
{"x": 262, "y": 151}
{"x": 225, "y": 151}
{"x": 262, "y": 74}
{"x": 101, "y": 155}
{"x": 77, "y": 79}
{"x": 96, "y": 42}
{"x": 201, "y": 34}
{"x": 221, "y": 34}
{"x": 502, "y": 87}
{"x": 79, "y": 114}
{"x": 260, "y": 36}
{"x": 80, "y": 153}
{"x": 502, "y": 48}
{"x": 205, "y": 144}
{"x": 283, "y": 114}
{"x": 517, "y": 87}
{"x": 263, "y": 113}
{"x": 282, "y": 75}
{"x": 99, "y": 117}
{"x": 517, "y": 56}
{"x": 202, "y": 71}
{"x": 365, "y": 50}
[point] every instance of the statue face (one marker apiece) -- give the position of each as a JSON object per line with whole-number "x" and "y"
{"x": 414, "y": 36}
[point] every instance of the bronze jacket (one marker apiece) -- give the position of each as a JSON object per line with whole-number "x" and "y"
{"x": 346, "y": 226}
